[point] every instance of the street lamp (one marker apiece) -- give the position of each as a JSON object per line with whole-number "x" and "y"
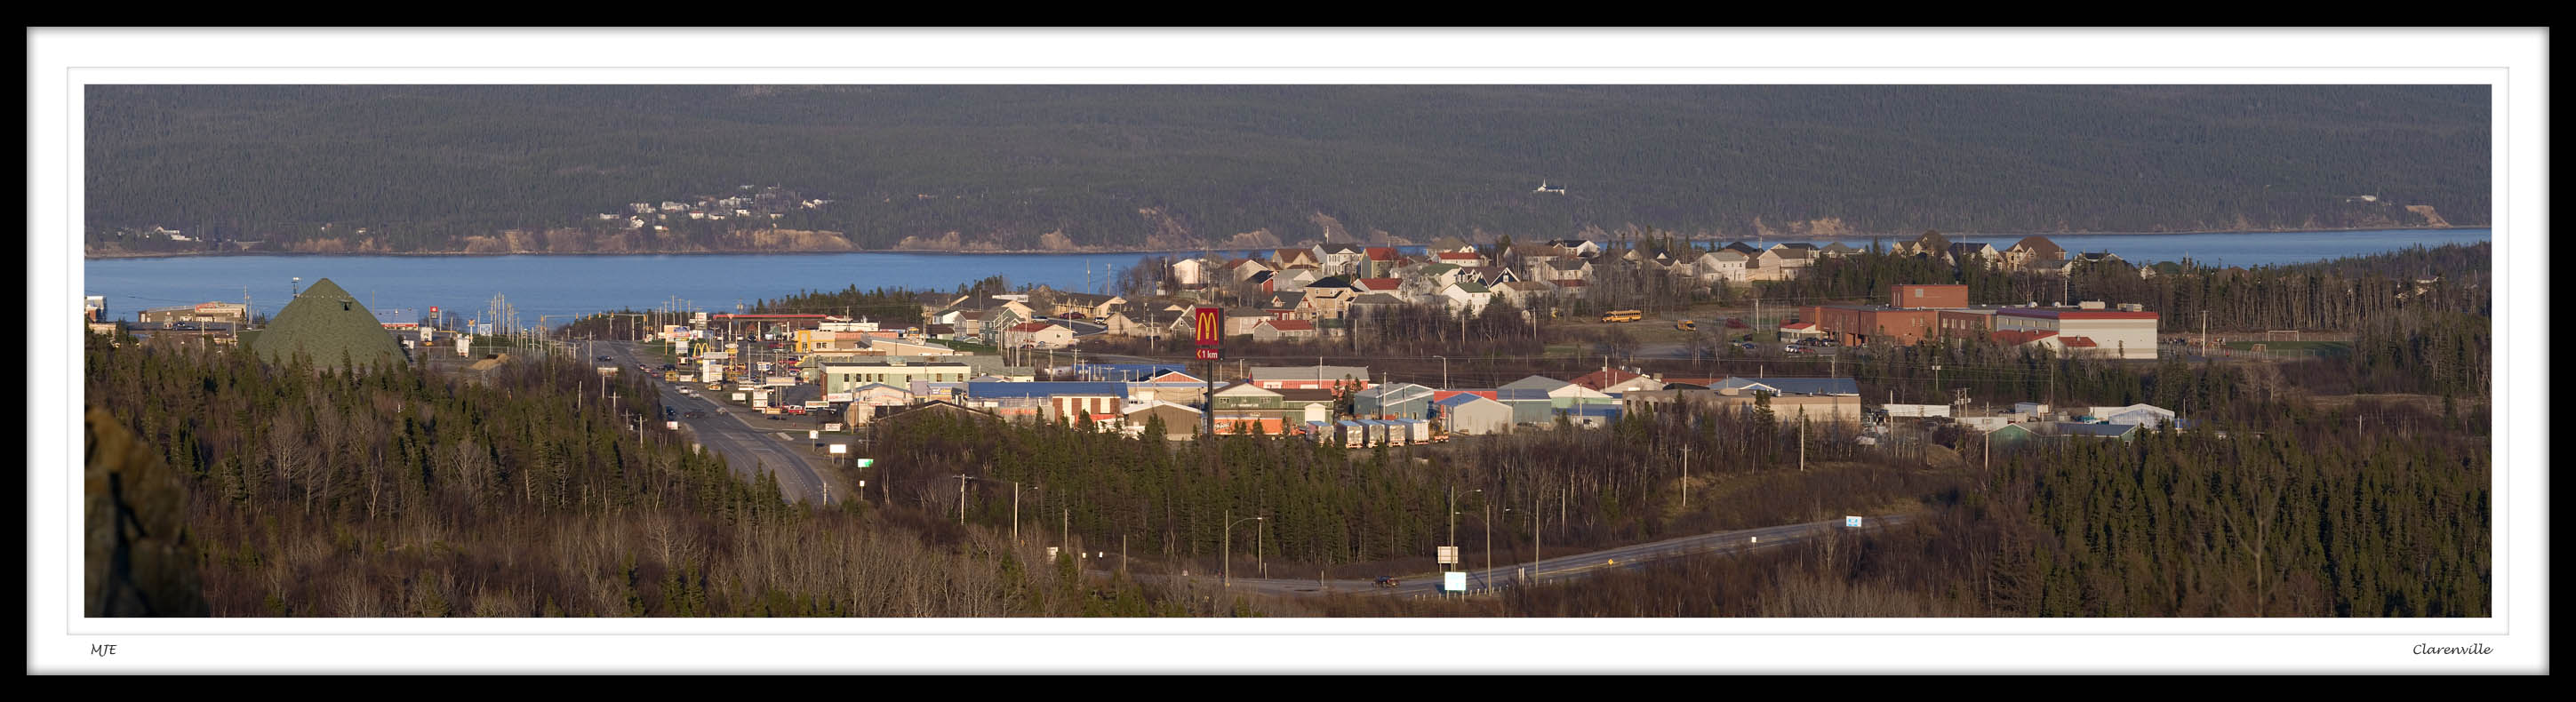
{"x": 1229, "y": 543}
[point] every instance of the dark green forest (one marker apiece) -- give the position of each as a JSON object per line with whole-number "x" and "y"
{"x": 422, "y": 167}
{"x": 405, "y": 492}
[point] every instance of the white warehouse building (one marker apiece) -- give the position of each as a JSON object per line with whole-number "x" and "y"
{"x": 2115, "y": 334}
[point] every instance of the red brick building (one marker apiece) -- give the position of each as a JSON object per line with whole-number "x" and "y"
{"x": 1855, "y": 325}
{"x": 1927, "y": 296}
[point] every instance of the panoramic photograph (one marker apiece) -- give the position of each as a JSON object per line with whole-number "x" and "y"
{"x": 1244, "y": 351}
{"x": 1287, "y": 350}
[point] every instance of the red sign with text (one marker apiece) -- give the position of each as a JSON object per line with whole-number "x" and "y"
{"x": 1207, "y": 354}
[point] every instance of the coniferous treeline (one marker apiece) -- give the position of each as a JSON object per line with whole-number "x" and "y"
{"x": 422, "y": 167}
{"x": 396, "y": 491}
{"x": 2376, "y": 512}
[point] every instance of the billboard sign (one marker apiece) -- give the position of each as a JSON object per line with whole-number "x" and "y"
{"x": 1851, "y": 522}
{"x": 433, "y": 315}
{"x": 865, "y": 462}
{"x": 1209, "y": 325}
{"x": 838, "y": 449}
{"x": 1448, "y": 555}
{"x": 1454, "y": 581}
{"x": 1207, "y": 354}
{"x": 836, "y": 397}
{"x": 831, "y": 426}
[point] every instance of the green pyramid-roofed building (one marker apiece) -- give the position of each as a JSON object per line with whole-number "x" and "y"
{"x": 328, "y": 325}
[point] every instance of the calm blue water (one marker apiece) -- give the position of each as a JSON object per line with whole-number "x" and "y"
{"x": 568, "y": 285}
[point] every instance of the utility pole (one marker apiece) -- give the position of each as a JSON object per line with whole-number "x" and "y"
{"x": 1686, "y": 468}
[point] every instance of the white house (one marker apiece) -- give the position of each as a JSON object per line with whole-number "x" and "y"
{"x": 1469, "y": 296}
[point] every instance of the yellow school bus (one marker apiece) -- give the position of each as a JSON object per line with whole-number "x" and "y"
{"x": 1623, "y": 316}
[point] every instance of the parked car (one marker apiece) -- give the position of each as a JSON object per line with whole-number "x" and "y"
{"x": 605, "y": 358}
{"x": 1735, "y": 323}
{"x": 1793, "y": 348}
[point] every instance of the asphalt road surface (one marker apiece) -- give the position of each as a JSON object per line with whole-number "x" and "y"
{"x": 746, "y": 449}
{"x": 1558, "y": 569}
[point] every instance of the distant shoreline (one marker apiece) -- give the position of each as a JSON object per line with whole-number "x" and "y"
{"x": 90, "y": 255}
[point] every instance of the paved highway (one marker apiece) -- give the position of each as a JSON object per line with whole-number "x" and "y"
{"x": 722, "y": 428}
{"x": 1560, "y": 568}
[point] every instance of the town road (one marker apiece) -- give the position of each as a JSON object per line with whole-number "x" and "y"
{"x": 721, "y": 428}
{"x": 1561, "y": 568}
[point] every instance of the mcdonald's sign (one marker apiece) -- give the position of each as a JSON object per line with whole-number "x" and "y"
{"x": 1210, "y": 326}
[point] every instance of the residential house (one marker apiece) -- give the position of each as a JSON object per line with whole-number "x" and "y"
{"x": 1524, "y": 293}
{"x": 1193, "y": 271}
{"x": 2083, "y": 260}
{"x": 1340, "y": 259}
{"x": 1727, "y": 265}
{"x": 1748, "y": 251}
{"x": 1325, "y": 298}
{"x": 2034, "y": 252}
{"x": 1244, "y": 268}
{"x": 1467, "y": 258}
{"x": 1451, "y": 244}
{"x": 1466, "y": 296}
{"x": 1239, "y": 321}
{"x": 1378, "y": 285}
{"x": 1381, "y": 262}
{"x": 1930, "y": 244}
{"x": 1972, "y": 254}
{"x": 1563, "y": 269}
{"x": 1283, "y": 329}
{"x": 1286, "y": 305}
{"x": 1836, "y": 250}
{"x": 1283, "y": 259}
{"x": 1373, "y": 305}
{"x": 1038, "y": 335}
{"x": 1578, "y": 247}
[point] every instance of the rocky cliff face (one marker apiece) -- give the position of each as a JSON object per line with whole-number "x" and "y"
{"x": 138, "y": 561}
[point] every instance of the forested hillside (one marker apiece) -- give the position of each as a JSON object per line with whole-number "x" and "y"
{"x": 452, "y": 168}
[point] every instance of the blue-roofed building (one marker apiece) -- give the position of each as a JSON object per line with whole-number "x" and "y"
{"x": 1790, "y": 386}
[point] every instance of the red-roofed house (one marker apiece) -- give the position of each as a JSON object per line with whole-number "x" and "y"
{"x": 1384, "y": 285}
{"x": 1382, "y": 261}
{"x": 1277, "y": 329}
{"x": 1462, "y": 259}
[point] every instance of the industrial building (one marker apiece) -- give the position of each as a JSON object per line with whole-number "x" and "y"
{"x": 2116, "y": 334}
